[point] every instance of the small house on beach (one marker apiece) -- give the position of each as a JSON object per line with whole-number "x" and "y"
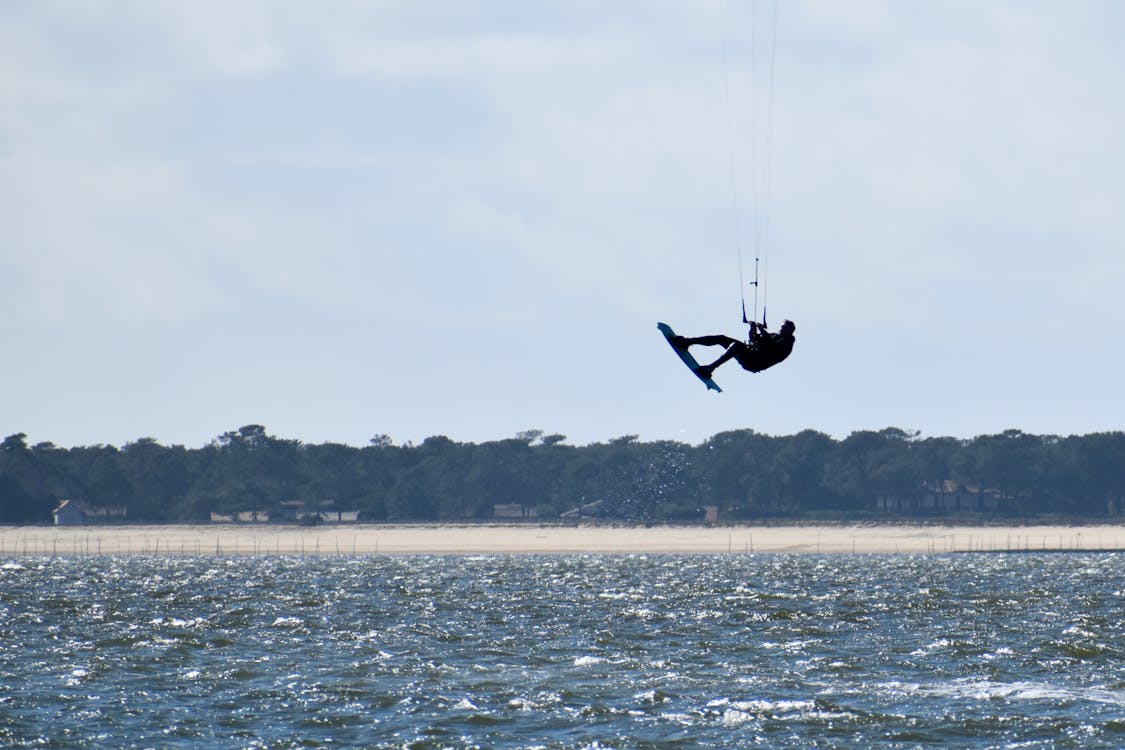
{"x": 68, "y": 514}
{"x": 943, "y": 498}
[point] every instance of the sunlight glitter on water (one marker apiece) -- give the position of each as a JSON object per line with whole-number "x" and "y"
{"x": 564, "y": 651}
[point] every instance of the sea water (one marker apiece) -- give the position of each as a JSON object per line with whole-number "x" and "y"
{"x": 578, "y": 651}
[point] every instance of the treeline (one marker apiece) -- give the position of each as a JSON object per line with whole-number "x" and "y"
{"x": 744, "y": 474}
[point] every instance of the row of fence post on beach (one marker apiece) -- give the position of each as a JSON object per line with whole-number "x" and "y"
{"x": 89, "y": 545}
{"x": 226, "y": 544}
{"x": 952, "y": 543}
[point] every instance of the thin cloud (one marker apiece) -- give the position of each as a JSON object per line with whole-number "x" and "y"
{"x": 535, "y": 180}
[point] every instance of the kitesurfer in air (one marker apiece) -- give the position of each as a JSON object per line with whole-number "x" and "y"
{"x": 763, "y": 350}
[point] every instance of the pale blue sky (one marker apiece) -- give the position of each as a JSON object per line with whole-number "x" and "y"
{"x": 343, "y": 219}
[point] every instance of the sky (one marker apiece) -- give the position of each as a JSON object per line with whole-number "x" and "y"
{"x": 348, "y": 219}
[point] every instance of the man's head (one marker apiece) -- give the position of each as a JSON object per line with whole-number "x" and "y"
{"x": 787, "y": 328}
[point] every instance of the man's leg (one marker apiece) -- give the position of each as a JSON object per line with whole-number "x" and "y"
{"x": 729, "y": 354}
{"x": 718, "y": 340}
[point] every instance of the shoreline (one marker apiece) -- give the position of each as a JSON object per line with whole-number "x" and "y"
{"x": 499, "y": 538}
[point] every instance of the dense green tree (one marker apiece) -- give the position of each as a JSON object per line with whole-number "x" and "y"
{"x": 16, "y": 504}
{"x": 23, "y": 488}
{"x": 747, "y": 475}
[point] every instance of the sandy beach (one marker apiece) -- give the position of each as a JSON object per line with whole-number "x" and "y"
{"x": 231, "y": 539}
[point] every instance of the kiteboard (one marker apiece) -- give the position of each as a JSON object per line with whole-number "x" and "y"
{"x": 689, "y": 360}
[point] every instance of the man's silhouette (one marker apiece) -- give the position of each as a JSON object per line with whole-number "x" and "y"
{"x": 764, "y": 349}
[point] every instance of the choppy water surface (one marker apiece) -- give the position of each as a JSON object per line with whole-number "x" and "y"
{"x": 563, "y": 651}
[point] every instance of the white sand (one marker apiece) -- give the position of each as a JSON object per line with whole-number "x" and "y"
{"x": 491, "y": 538}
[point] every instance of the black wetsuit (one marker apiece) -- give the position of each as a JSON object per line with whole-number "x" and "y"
{"x": 765, "y": 350}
